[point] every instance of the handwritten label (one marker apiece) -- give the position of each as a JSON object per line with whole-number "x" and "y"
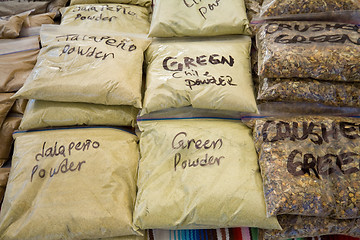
{"x": 180, "y": 141}
{"x": 300, "y": 163}
{"x": 204, "y": 9}
{"x": 123, "y": 44}
{"x": 305, "y": 33}
{"x": 184, "y": 69}
{"x": 63, "y": 151}
{"x": 117, "y": 8}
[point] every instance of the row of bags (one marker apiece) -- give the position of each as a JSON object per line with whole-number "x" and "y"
{"x": 193, "y": 173}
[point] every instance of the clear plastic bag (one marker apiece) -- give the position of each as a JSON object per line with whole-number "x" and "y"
{"x": 10, "y": 26}
{"x": 208, "y": 73}
{"x": 310, "y": 165}
{"x": 272, "y": 8}
{"x": 318, "y": 50}
{"x": 107, "y": 67}
{"x": 339, "y": 94}
{"x": 300, "y": 227}
{"x": 145, "y": 3}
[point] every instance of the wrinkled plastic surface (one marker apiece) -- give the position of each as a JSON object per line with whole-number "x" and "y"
{"x": 318, "y": 50}
{"x": 272, "y": 8}
{"x": 310, "y": 165}
{"x": 210, "y": 73}
{"x": 110, "y": 17}
{"x": 82, "y": 180}
{"x": 9, "y": 125}
{"x": 19, "y": 106}
{"x": 173, "y": 18}
{"x": 145, "y": 3}
{"x": 210, "y": 182}
{"x": 300, "y": 226}
{"x": 5, "y": 105}
{"x": 17, "y": 59}
{"x": 79, "y": 67}
{"x": 39, "y": 19}
{"x": 10, "y": 26}
{"x": 40, "y": 114}
{"x": 13, "y": 7}
{"x": 340, "y": 94}
{"x": 4, "y": 175}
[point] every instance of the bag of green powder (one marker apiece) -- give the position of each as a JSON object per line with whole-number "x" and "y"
{"x": 173, "y": 18}
{"x": 145, "y": 3}
{"x": 107, "y": 67}
{"x": 41, "y": 114}
{"x": 111, "y": 17}
{"x": 209, "y": 73}
{"x": 310, "y": 165}
{"x": 198, "y": 173}
{"x": 82, "y": 180}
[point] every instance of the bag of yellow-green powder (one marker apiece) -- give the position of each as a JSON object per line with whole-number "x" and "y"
{"x": 81, "y": 182}
{"x": 199, "y": 173}
{"x": 146, "y": 3}
{"x": 40, "y": 114}
{"x": 110, "y": 17}
{"x": 4, "y": 175}
{"x": 209, "y": 73}
{"x": 199, "y": 18}
{"x": 5, "y": 105}
{"x": 78, "y": 66}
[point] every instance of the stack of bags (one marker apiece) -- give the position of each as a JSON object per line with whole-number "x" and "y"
{"x": 20, "y": 22}
{"x": 81, "y": 179}
{"x": 309, "y": 70}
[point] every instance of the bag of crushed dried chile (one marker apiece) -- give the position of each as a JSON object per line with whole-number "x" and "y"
{"x": 295, "y": 226}
{"x": 339, "y": 94}
{"x": 272, "y": 8}
{"x": 310, "y": 165}
{"x": 318, "y": 50}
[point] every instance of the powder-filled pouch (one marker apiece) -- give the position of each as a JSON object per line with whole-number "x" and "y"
{"x": 310, "y": 165}
{"x": 10, "y": 26}
{"x": 81, "y": 180}
{"x": 107, "y": 67}
{"x": 210, "y": 73}
{"x": 17, "y": 59}
{"x": 145, "y": 3}
{"x": 271, "y": 8}
{"x": 19, "y": 106}
{"x": 5, "y": 105}
{"x": 340, "y": 94}
{"x": 198, "y": 173}
{"x": 111, "y": 17}
{"x": 7, "y": 128}
{"x": 295, "y": 226}
{"x": 13, "y": 7}
{"x": 40, "y": 114}
{"x": 39, "y": 19}
{"x": 318, "y": 50}
{"x": 173, "y": 18}
{"x": 4, "y": 175}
